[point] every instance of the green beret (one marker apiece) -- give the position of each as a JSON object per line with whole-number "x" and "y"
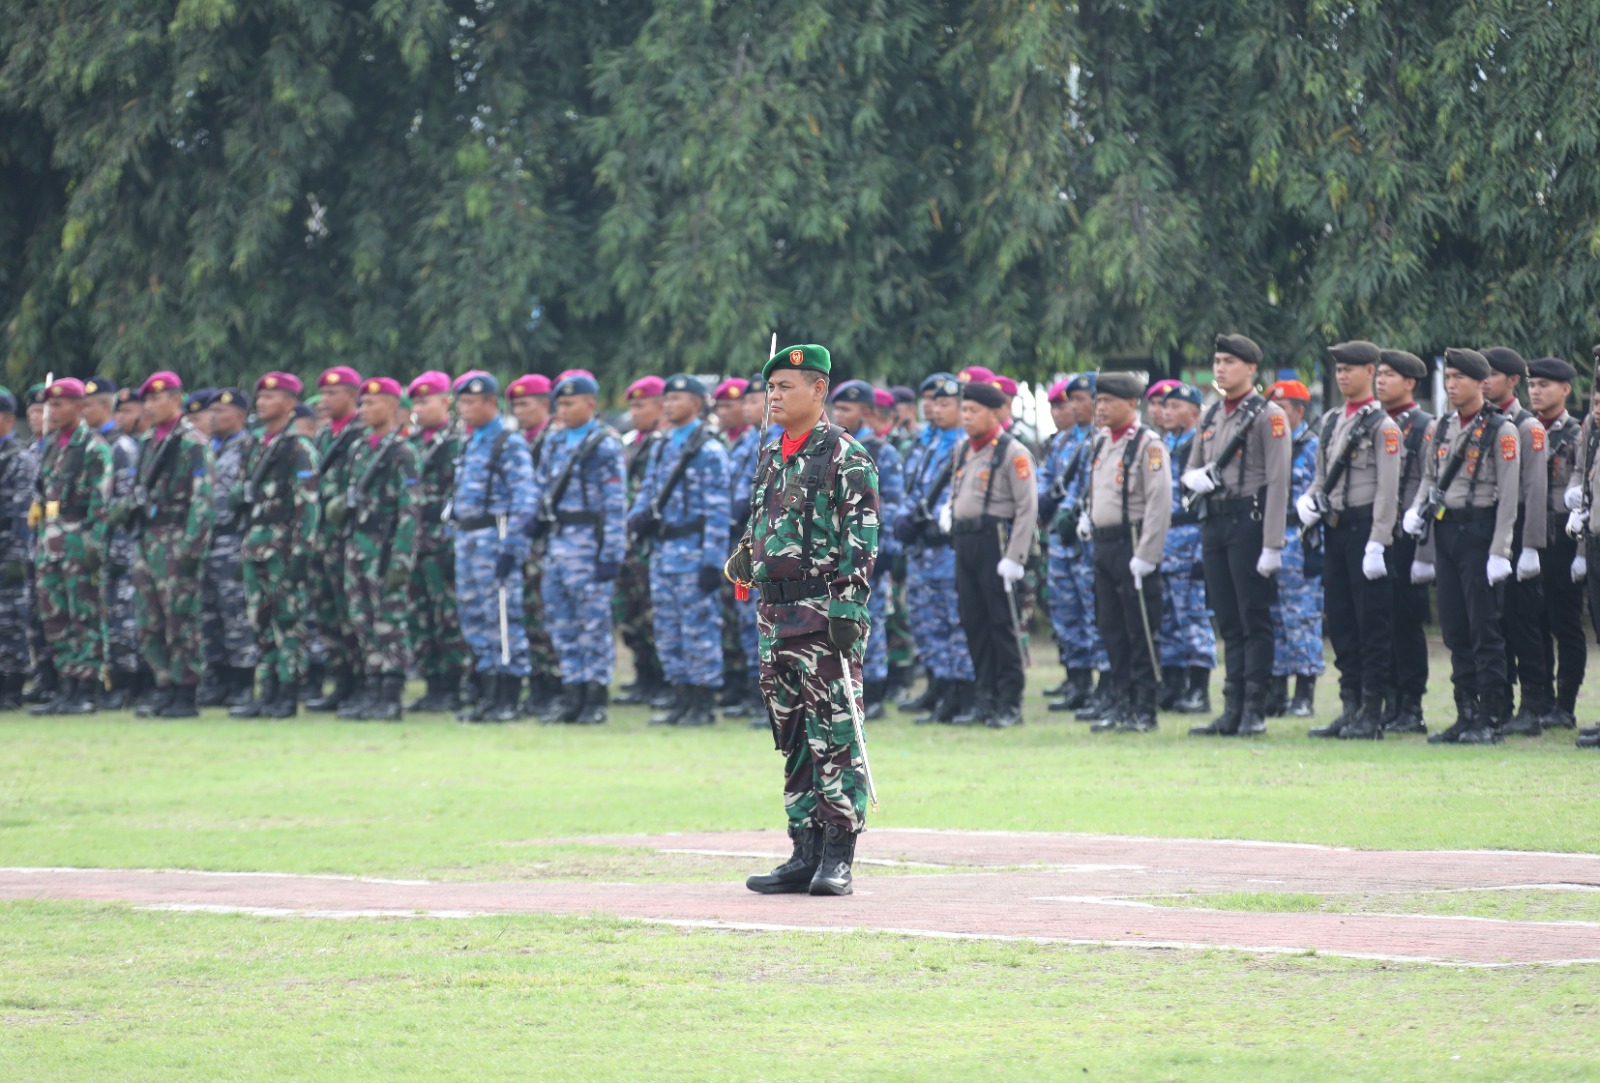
{"x": 810, "y": 357}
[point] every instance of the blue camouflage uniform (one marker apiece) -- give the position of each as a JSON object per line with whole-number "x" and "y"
{"x": 117, "y": 593}
{"x": 931, "y": 565}
{"x": 1297, "y": 615}
{"x": 590, "y": 530}
{"x": 19, "y": 470}
{"x": 1070, "y": 563}
{"x": 743, "y": 456}
{"x": 891, "y": 505}
{"x": 1186, "y": 638}
{"x": 488, "y": 486}
{"x": 230, "y": 638}
{"x": 692, "y": 535}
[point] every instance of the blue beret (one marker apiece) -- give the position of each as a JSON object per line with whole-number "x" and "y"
{"x": 1184, "y": 393}
{"x": 934, "y": 382}
{"x": 684, "y": 382}
{"x": 480, "y": 384}
{"x": 1084, "y": 381}
{"x": 8, "y": 402}
{"x": 575, "y": 385}
{"x": 200, "y": 399}
{"x": 853, "y": 391}
{"x": 99, "y": 385}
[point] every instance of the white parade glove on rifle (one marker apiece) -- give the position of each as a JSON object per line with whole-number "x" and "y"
{"x": 1306, "y": 508}
{"x": 1528, "y": 565}
{"x": 945, "y": 518}
{"x": 1268, "y": 563}
{"x": 1575, "y": 523}
{"x": 1499, "y": 570}
{"x": 1085, "y": 527}
{"x": 1573, "y": 498}
{"x": 1372, "y": 565}
{"x": 1009, "y": 570}
{"x": 1198, "y": 480}
{"x": 1140, "y": 568}
{"x": 1580, "y": 568}
{"x": 1412, "y": 524}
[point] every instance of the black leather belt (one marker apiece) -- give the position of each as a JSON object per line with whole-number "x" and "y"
{"x": 1116, "y": 533}
{"x": 1350, "y": 518}
{"x": 477, "y": 522}
{"x": 1468, "y": 515}
{"x": 786, "y": 591}
{"x": 682, "y": 530}
{"x": 975, "y": 526}
{"x": 1239, "y": 505}
{"x": 1189, "y": 518}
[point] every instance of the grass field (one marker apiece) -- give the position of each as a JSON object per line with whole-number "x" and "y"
{"x": 107, "y": 991}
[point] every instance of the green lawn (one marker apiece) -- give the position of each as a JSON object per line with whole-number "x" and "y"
{"x": 103, "y": 992}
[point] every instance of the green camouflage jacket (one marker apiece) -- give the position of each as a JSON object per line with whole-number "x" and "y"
{"x": 843, "y": 543}
{"x": 279, "y": 487}
{"x": 436, "y": 480}
{"x": 383, "y": 516}
{"x": 75, "y": 483}
{"x": 173, "y": 491}
{"x": 334, "y": 451}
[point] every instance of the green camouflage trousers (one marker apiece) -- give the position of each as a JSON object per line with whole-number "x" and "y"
{"x": 541, "y": 651}
{"x": 330, "y": 606}
{"x": 803, "y": 686}
{"x": 277, "y": 614}
{"x": 902, "y": 647}
{"x": 435, "y": 630}
{"x": 630, "y": 612}
{"x": 377, "y": 614}
{"x": 168, "y": 610}
{"x": 69, "y": 611}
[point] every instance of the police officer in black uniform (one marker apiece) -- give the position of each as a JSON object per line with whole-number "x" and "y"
{"x": 1410, "y": 568}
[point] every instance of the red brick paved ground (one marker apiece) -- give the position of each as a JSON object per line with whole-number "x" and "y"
{"x": 1074, "y": 892}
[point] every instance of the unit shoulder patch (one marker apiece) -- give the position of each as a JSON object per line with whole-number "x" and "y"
{"x": 1508, "y": 447}
{"x": 1391, "y": 442}
{"x": 1023, "y": 468}
{"x": 1280, "y": 426}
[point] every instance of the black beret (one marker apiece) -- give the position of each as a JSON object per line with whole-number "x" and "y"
{"x": 200, "y": 399}
{"x": 1242, "y": 348}
{"x": 1505, "y": 359}
{"x": 1119, "y": 385}
{"x": 983, "y": 394}
{"x": 1467, "y": 362}
{"x": 902, "y": 393}
{"x": 303, "y": 410}
{"x": 853, "y": 391}
{"x": 684, "y": 382}
{"x": 232, "y": 396}
{"x": 127, "y": 395}
{"x": 756, "y": 384}
{"x": 1356, "y": 352}
{"x": 1552, "y": 368}
{"x": 99, "y": 385}
{"x": 1406, "y": 364}
{"x": 8, "y": 402}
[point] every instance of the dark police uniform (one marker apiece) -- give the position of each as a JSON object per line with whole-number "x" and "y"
{"x": 1403, "y": 712}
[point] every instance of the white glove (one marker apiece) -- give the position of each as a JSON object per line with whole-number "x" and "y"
{"x": 1268, "y": 563}
{"x": 1573, "y": 498}
{"x": 1198, "y": 481}
{"x": 946, "y": 517}
{"x": 1527, "y": 565}
{"x": 1009, "y": 570}
{"x": 1140, "y": 568}
{"x": 1372, "y": 565}
{"x": 1412, "y": 523}
{"x": 1421, "y": 572}
{"x": 1575, "y": 523}
{"x": 1306, "y": 508}
{"x": 1580, "y": 568}
{"x": 1085, "y": 527}
{"x": 1499, "y": 570}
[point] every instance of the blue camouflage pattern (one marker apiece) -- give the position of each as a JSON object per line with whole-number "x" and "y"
{"x": 1297, "y": 614}
{"x": 577, "y": 606}
{"x": 688, "y": 627}
{"x": 1186, "y": 638}
{"x": 743, "y": 455}
{"x": 1069, "y": 565}
{"x": 509, "y": 493}
{"x": 228, "y": 636}
{"x": 891, "y": 506}
{"x": 931, "y": 568}
{"x": 116, "y": 584}
{"x": 19, "y": 470}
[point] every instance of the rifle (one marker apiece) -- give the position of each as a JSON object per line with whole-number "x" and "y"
{"x": 1235, "y": 444}
{"x": 544, "y": 520}
{"x": 1591, "y": 444}
{"x": 142, "y": 510}
{"x": 653, "y": 513}
{"x": 1432, "y": 508}
{"x": 358, "y": 495}
{"x": 1360, "y": 431}
{"x": 1064, "y": 524}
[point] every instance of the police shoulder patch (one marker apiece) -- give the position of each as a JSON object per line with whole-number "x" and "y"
{"x": 1153, "y": 455}
{"x": 1508, "y": 447}
{"x": 1023, "y": 469}
{"x": 1391, "y": 442}
{"x": 1538, "y": 438}
{"x": 1280, "y": 426}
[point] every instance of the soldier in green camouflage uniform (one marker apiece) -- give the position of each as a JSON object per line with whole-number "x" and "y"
{"x": 278, "y": 502}
{"x": 381, "y": 551}
{"x": 335, "y": 442}
{"x": 529, "y": 399}
{"x": 435, "y": 631}
{"x": 173, "y": 516}
{"x": 630, "y": 604}
{"x": 814, "y": 574}
{"x": 72, "y": 515}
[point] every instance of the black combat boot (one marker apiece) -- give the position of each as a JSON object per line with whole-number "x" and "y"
{"x": 1305, "y": 695}
{"x": 929, "y": 698}
{"x": 1367, "y": 725}
{"x": 343, "y": 685}
{"x": 594, "y": 705}
{"x": 257, "y": 708}
{"x": 119, "y": 697}
{"x": 241, "y": 685}
{"x": 833, "y": 868}
{"x": 647, "y": 684}
{"x": 1489, "y": 723}
{"x": 975, "y": 709}
{"x": 1004, "y": 716}
{"x": 1407, "y": 715}
{"x": 1391, "y": 708}
{"x": 958, "y": 701}
{"x": 180, "y": 704}
{"x": 1080, "y": 686}
{"x": 699, "y": 710}
{"x": 213, "y": 688}
{"x": 79, "y": 698}
{"x": 429, "y": 699}
{"x": 1225, "y": 724}
{"x": 481, "y": 698}
{"x": 362, "y": 700}
{"x": 793, "y": 877}
{"x": 872, "y": 700}
{"x": 1252, "y": 722}
{"x": 1098, "y": 703}
{"x": 1350, "y": 701}
{"x": 384, "y": 706}
{"x": 1057, "y": 690}
{"x": 501, "y": 697}
{"x": 155, "y": 702}
{"x": 1466, "y": 719}
{"x": 1174, "y": 684}
{"x": 286, "y": 704}
{"x": 672, "y": 714}
{"x": 937, "y": 690}
{"x": 1197, "y": 700}
{"x": 1525, "y": 723}
{"x": 11, "y": 691}
{"x": 46, "y": 684}
{"x": 901, "y": 678}
{"x": 1117, "y": 708}
{"x": 1277, "y": 697}
{"x": 312, "y": 680}
{"x": 1561, "y": 715}
{"x": 556, "y": 701}
{"x": 1141, "y": 714}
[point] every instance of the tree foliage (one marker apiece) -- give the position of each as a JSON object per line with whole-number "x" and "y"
{"x": 224, "y": 186}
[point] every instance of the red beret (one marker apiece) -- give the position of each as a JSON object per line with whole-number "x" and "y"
{"x": 1007, "y": 385}
{"x": 280, "y": 381}
{"x": 67, "y": 389}
{"x": 159, "y": 381}
{"x": 1058, "y": 391}
{"x": 883, "y": 399}
{"x": 647, "y": 387}
{"x": 528, "y": 386}
{"x": 339, "y": 376}
{"x": 975, "y": 374}
{"x": 381, "y": 385}
{"x": 429, "y": 383}
{"x": 731, "y": 388}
